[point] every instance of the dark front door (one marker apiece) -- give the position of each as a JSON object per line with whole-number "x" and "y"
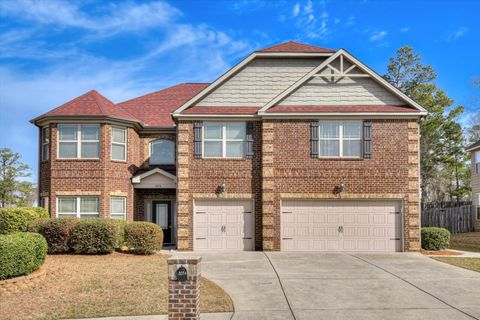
{"x": 162, "y": 215}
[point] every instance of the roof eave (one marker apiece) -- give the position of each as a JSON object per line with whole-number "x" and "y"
{"x": 52, "y": 117}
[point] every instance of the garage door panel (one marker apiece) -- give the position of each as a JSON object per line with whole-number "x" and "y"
{"x": 366, "y": 225}
{"x": 223, "y": 225}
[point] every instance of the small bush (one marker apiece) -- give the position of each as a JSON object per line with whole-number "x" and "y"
{"x": 36, "y": 225}
{"x": 120, "y": 224}
{"x": 17, "y": 219}
{"x": 143, "y": 237}
{"x": 95, "y": 236}
{"x": 435, "y": 238}
{"x": 21, "y": 253}
{"x": 58, "y": 233}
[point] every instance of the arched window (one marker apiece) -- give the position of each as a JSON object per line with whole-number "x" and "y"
{"x": 162, "y": 152}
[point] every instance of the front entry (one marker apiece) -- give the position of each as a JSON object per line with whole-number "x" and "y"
{"x": 162, "y": 215}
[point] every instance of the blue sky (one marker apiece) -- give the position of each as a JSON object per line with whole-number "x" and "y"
{"x": 53, "y": 51}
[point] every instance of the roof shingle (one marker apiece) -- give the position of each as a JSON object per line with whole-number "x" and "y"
{"x": 292, "y": 46}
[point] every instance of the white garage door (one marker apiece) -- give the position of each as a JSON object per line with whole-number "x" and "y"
{"x": 223, "y": 225}
{"x": 341, "y": 225}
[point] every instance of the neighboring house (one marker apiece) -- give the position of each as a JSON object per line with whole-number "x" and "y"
{"x": 474, "y": 149}
{"x": 295, "y": 148}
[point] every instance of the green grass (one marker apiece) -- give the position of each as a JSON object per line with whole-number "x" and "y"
{"x": 466, "y": 263}
{"x": 466, "y": 241}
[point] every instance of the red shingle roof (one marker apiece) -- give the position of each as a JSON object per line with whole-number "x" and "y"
{"x": 292, "y": 46}
{"x": 91, "y": 103}
{"x": 155, "y": 109}
{"x": 286, "y": 109}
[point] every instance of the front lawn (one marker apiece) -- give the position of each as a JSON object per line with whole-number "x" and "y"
{"x": 467, "y": 263}
{"x": 99, "y": 286}
{"x": 465, "y": 241}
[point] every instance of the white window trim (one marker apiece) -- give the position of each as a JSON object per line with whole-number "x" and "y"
{"x": 477, "y": 209}
{"x": 340, "y": 139}
{"x": 45, "y": 142}
{"x": 125, "y": 136}
{"x": 78, "y": 141}
{"x": 150, "y": 152}
{"x": 476, "y": 157}
{"x": 224, "y": 140}
{"x": 124, "y": 199}
{"x": 77, "y": 206}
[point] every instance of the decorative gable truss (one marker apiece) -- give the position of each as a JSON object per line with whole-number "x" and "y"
{"x": 342, "y": 80}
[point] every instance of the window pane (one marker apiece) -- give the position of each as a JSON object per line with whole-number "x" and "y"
{"x": 212, "y": 149}
{"x": 162, "y": 152}
{"x": 212, "y": 131}
{"x": 477, "y": 156}
{"x": 67, "y": 150}
{"x": 117, "y": 205}
{"x": 45, "y": 135}
{"x": 90, "y": 132}
{"x": 235, "y": 131}
{"x": 90, "y": 149}
{"x": 351, "y": 148}
{"x": 67, "y": 205}
{"x": 329, "y": 148}
{"x": 88, "y": 204}
{"x": 70, "y": 215}
{"x": 118, "y": 135}
{"x": 117, "y": 216}
{"x": 118, "y": 152}
{"x": 68, "y": 132}
{"x": 351, "y": 129}
{"x": 329, "y": 129}
{"x": 235, "y": 149}
{"x": 45, "y": 152}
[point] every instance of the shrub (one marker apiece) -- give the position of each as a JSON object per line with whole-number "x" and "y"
{"x": 36, "y": 225}
{"x": 120, "y": 225}
{"x": 95, "y": 236}
{"x": 58, "y": 233}
{"x": 143, "y": 237}
{"x": 435, "y": 238}
{"x": 17, "y": 219}
{"x": 21, "y": 253}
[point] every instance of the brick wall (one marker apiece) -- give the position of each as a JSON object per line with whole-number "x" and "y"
{"x": 101, "y": 177}
{"x": 282, "y": 166}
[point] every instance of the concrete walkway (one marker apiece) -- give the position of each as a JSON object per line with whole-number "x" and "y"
{"x": 204, "y": 316}
{"x": 304, "y": 286}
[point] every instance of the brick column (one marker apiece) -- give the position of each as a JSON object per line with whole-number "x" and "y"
{"x": 268, "y": 196}
{"x": 184, "y": 296}
{"x": 412, "y": 203}
{"x": 184, "y": 209}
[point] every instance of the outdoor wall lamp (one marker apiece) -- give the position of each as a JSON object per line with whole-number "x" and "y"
{"x": 223, "y": 187}
{"x": 342, "y": 185}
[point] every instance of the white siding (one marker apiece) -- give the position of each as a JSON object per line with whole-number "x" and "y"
{"x": 259, "y": 82}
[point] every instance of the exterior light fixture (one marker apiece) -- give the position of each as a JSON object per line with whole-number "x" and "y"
{"x": 342, "y": 185}
{"x": 223, "y": 187}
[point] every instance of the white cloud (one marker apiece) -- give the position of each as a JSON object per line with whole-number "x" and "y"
{"x": 114, "y": 18}
{"x": 457, "y": 34}
{"x": 378, "y": 35}
{"x": 404, "y": 29}
{"x": 296, "y": 9}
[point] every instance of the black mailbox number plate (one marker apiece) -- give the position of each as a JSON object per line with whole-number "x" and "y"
{"x": 181, "y": 274}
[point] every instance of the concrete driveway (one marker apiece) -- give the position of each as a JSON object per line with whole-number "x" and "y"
{"x": 280, "y": 285}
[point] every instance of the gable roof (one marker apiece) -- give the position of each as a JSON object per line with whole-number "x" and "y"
{"x": 292, "y": 46}
{"x": 91, "y": 103}
{"x": 155, "y": 109}
{"x": 473, "y": 146}
{"x": 341, "y": 54}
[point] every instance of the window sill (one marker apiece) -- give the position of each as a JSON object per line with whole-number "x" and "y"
{"x": 342, "y": 158}
{"x": 224, "y": 159}
{"x": 118, "y": 161}
{"x": 77, "y": 159}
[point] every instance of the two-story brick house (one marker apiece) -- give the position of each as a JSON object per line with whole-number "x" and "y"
{"x": 295, "y": 148}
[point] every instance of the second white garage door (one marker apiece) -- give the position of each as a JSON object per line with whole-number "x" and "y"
{"x": 223, "y": 225}
{"x": 341, "y": 225}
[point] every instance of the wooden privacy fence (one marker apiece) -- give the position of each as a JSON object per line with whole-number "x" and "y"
{"x": 455, "y": 219}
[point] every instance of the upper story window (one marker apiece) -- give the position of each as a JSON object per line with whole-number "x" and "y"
{"x": 223, "y": 140}
{"x": 162, "y": 152}
{"x": 45, "y": 143}
{"x": 478, "y": 206}
{"x": 119, "y": 143}
{"x": 340, "y": 138}
{"x": 80, "y": 207}
{"x": 477, "y": 161}
{"x": 79, "y": 141}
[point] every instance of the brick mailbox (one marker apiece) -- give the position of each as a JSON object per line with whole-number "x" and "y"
{"x": 184, "y": 288}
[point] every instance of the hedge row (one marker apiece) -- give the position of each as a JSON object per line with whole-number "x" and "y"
{"x": 21, "y": 253}
{"x": 98, "y": 236}
{"x": 17, "y": 219}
